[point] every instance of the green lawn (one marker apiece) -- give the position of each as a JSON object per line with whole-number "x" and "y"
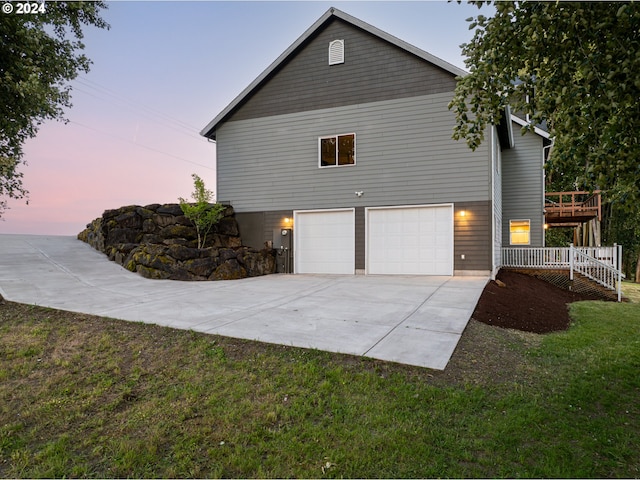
{"x": 82, "y": 396}
{"x": 631, "y": 291}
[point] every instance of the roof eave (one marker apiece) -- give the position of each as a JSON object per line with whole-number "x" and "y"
{"x": 401, "y": 43}
{"x": 505, "y": 130}
{"x": 524, "y": 123}
{"x": 210, "y": 130}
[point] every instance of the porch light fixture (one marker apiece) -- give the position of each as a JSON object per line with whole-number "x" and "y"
{"x": 463, "y": 213}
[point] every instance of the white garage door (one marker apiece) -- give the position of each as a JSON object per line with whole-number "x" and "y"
{"x": 414, "y": 240}
{"x": 324, "y": 241}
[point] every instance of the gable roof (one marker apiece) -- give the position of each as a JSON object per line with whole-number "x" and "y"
{"x": 536, "y": 129}
{"x": 209, "y": 130}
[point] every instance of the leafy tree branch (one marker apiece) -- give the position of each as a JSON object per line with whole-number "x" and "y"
{"x": 572, "y": 65}
{"x": 39, "y": 54}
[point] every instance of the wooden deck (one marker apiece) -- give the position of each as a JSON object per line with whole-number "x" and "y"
{"x": 571, "y": 208}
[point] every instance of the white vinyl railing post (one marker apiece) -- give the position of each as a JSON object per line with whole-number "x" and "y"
{"x": 571, "y": 255}
{"x": 606, "y": 270}
{"x": 618, "y": 250}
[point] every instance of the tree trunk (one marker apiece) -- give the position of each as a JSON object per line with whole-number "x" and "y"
{"x": 637, "y": 280}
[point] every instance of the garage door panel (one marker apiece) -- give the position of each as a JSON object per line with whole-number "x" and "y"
{"x": 324, "y": 241}
{"x": 410, "y": 240}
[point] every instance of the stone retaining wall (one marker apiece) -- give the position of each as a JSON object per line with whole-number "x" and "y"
{"x": 158, "y": 241}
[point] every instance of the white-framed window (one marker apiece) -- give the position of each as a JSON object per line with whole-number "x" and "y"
{"x": 520, "y": 232}
{"x": 336, "y": 52}
{"x": 337, "y": 150}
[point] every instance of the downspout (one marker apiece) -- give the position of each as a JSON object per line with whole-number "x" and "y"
{"x": 215, "y": 168}
{"x": 493, "y": 201}
{"x": 544, "y": 190}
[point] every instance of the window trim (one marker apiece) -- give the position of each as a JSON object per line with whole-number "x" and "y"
{"x": 511, "y": 222}
{"x": 337, "y": 137}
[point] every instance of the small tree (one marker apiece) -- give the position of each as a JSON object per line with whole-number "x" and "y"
{"x": 202, "y": 213}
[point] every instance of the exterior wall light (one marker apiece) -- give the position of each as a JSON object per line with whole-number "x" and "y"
{"x": 463, "y": 213}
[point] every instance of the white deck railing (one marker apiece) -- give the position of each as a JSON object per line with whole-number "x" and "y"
{"x": 600, "y": 264}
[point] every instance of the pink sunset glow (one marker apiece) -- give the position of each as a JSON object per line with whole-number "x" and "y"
{"x": 159, "y": 75}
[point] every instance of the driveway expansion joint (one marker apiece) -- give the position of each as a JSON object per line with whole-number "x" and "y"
{"x": 338, "y": 313}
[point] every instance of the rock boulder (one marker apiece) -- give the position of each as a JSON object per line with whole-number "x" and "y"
{"x": 158, "y": 241}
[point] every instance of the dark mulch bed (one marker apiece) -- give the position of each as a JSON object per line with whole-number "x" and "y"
{"x": 525, "y": 303}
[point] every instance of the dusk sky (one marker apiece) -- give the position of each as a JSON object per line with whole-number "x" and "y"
{"x": 159, "y": 75}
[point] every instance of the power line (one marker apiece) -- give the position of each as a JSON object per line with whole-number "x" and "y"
{"x": 101, "y": 93}
{"x": 123, "y": 139}
{"x": 166, "y": 124}
{"x": 93, "y": 84}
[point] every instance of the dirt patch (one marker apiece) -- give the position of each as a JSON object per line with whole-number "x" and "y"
{"x": 525, "y": 303}
{"x": 523, "y": 307}
{"x": 488, "y": 356}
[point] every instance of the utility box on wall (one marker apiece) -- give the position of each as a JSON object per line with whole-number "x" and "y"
{"x": 282, "y": 243}
{"x": 282, "y": 238}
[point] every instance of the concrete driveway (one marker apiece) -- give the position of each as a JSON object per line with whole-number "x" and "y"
{"x": 415, "y": 320}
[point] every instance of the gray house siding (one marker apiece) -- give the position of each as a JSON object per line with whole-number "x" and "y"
{"x": 523, "y": 186}
{"x": 404, "y": 155}
{"x": 361, "y": 238}
{"x": 256, "y": 228}
{"x": 373, "y": 70}
{"x": 394, "y": 98}
{"x": 252, "y": 229}
{"x": 472, "y": 236}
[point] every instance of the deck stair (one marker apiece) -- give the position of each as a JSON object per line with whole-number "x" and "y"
{"x": 599, "y": 266}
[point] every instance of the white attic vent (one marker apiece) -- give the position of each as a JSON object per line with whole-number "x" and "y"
{"x": 336, "y": 52}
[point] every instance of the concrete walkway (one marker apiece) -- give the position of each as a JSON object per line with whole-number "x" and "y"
{"x": 415, "y": 320}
